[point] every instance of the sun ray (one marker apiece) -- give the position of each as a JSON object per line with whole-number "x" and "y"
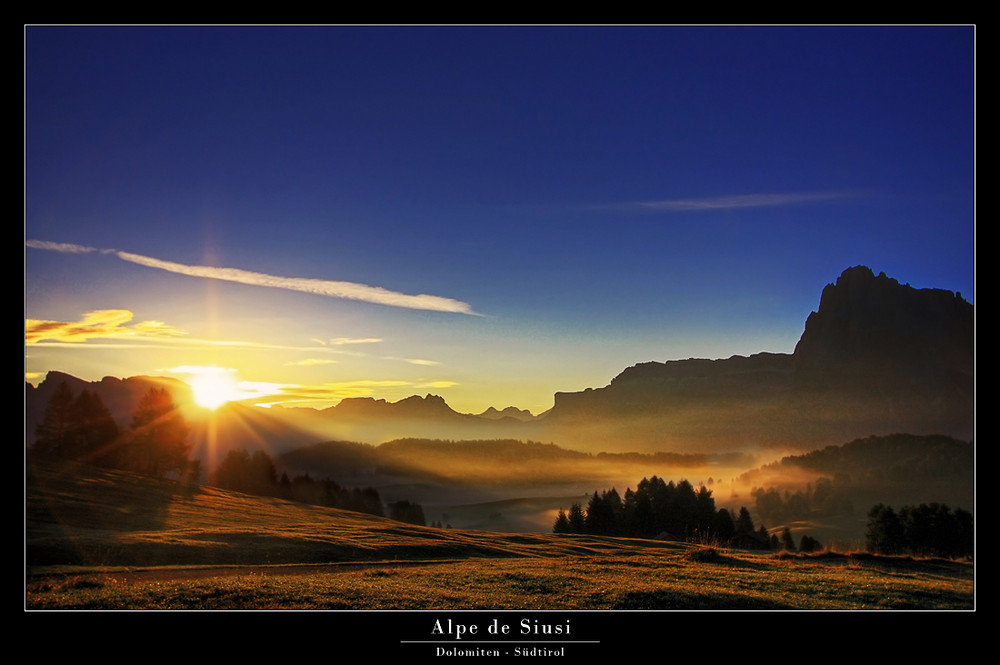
{"x": 212, "y": 386}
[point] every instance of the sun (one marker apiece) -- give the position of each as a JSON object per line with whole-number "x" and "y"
{"x": 212, "y": 387}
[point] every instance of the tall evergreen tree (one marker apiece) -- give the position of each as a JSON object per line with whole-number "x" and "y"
{"x": 405, "y": 511}
{"x": 723, "y": 527}
{"x": 787, "y": 542}
{"x": 562, "y": 523}
{"x": 157, "y": 443}
{"x": 251, "y": 473}
{"x": 53, "y": 432}
{"x": 744, "y": 522}
{"x": 577, "y": 520}
{"x": 79, "y": 428}
{"x": 95, "y": 431}
{"x": 884, "y": 532}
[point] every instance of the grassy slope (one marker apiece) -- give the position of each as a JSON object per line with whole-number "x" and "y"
{"x": 97, "y": 539}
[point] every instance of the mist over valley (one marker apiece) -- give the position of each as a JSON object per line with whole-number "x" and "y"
{"x": 883, "y": 376}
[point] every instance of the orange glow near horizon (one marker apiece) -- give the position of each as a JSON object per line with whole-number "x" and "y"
{"x": 214, "y": 386}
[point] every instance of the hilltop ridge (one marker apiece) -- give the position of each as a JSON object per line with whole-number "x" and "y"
{"x": 876, "y": 357}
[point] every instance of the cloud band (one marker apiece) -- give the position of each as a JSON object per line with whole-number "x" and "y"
{"x": 321, "y": 287}
{"x": 741, "y": 201}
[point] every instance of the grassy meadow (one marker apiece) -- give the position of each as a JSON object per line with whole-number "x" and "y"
{"x": 107, "y": 540}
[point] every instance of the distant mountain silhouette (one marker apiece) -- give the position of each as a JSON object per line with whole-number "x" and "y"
{"x": 510, "y": 412}
{"x": 877, "y": 357}
{"x": 121, "y": 396}
{"x": 275, "y": 430}
{"x": 212, "y": 433}
{"x": 872, "y": 334}
{"x": 431, "y": 406}
{"x": 377, "y": 420}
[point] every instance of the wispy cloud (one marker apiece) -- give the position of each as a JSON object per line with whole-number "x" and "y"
{"x": 310, "y": 362}
{"x": 741, "y": 201}
{"x": 102, "y": 323}
{"x": 345, "y": 341}
{"x": 65, "y": 247}
{"x": 321, "y": 287}
{"x": 418, "y": 361}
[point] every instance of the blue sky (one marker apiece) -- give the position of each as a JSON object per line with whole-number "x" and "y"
{"x": 573, "y": 200}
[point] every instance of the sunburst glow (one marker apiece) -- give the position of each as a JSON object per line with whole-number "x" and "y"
{"x": 214, "y": 386}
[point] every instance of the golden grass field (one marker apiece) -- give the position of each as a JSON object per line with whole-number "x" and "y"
{"x": 104, "y": 540}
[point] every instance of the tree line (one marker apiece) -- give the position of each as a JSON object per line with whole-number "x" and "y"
{"x": 822, "y": 498}
{"x": 81, "y": 428}
{"x": 665, "y": 510}
{"x": 255, "y": 473}
{"x": 926, "y": 530}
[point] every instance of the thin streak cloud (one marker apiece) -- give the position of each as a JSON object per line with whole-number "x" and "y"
{"x": 310, "y": 362}
{"x": 321, "y": 287}
{"x": 741, "y": 201}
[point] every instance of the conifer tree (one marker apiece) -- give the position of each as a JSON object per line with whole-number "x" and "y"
{"x": 157, "y": 443}
{"x": 577, "y": 521}
{"x": 744, "y": 522}
{"x": 562, "y": 523}
{"x": 723, "y": 527}
{"x": 53, "y": 432}
{"x": 787, "y": 542}
{"x": 94, "y": 432}
{"x": 79, "y": 428}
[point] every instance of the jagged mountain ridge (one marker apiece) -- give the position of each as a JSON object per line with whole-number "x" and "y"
{"x": 277, "y": 430}
{"x": 893, "y": 336}
{"x": 877, "y": 357}
{"x": 509, "y": 412}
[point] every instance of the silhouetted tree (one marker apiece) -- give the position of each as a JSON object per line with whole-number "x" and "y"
{"x": 52, "y": 433}
{"x": 809, "y": 544}
{"x": 157, "y": 443}
{"x": 723, "y": 526}
{"x": 78, "y": 428}
{"x": 704, "y": 512}
{"x": 933, "y": 530}
{"x": 562, "y": 523}
{"x": 787, "y": 542}
{"x": 744, "y": 522}
{"x": 577, "y": 520}
{"x": 366, "y": 500}
{"x": 603, "y": 513}
{"x": 95, "y": 430}
{"x": 681, "y": 518}
{"x": 250, "y": 473}
{"x": 964, "y": 537}
{"x": 655, "y": 507}
{"x": 639, "y": 518}
{"x": 285, "y": 486}
{"x": 404, "y": 511}
{"x": 884, "y": 532}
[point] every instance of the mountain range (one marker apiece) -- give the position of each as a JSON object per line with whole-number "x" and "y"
{"x": 877, "y": 357}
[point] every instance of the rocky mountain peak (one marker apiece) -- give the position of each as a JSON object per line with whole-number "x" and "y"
{"x": 874, "y": 325}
